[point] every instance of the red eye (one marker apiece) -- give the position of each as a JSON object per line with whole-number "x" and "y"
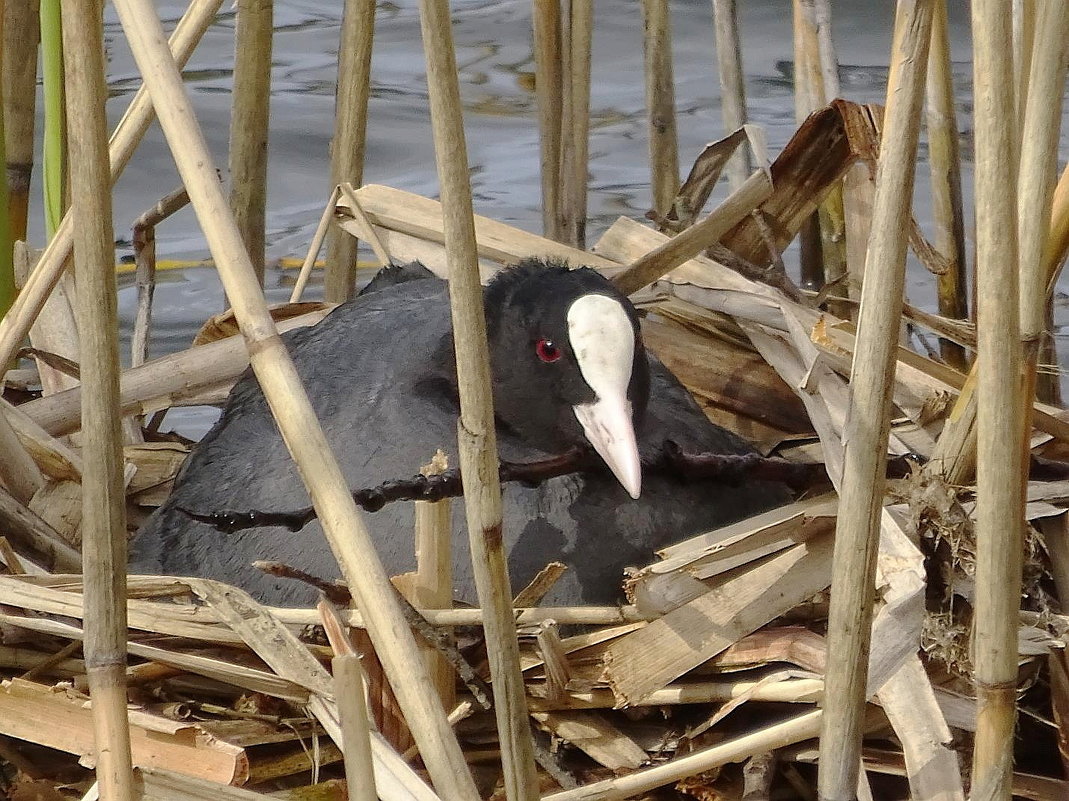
{"x": 547, "y": 351}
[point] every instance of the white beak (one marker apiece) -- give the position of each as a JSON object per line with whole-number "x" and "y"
{"x": 603, "y": 341}
{"x": 607, "y": 424}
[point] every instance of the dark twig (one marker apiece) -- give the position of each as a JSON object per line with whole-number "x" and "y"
{"x": 417, "y": 488}
{"x": 724, "y": 468}
{"x": 337, "y": 593}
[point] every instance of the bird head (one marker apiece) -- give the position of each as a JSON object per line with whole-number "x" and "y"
{"x": 568, "y": 363}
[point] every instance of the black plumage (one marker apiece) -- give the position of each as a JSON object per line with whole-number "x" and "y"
{"x": 381, "y": 375}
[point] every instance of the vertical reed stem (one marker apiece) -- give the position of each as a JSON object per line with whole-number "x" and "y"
{"x": 1039, "y": 161}
{"x": 432, "y": 587}
{"x": 350, "y": 688}
{"x": 476, "y": 434}
{"x": 549, "y": 89}
{"x": 342, "y": 525}
{"x": 661, "y": 105}
{"x": 806, "y": 85}
{"x": 732, "y": 85}
{"x": 350, "y": 135}
{"x": 944, "y": 160}
{"x": 868, "y": 423}
{"x": 7, "y": 252}
{"x": 1000, "y": 444}
{"x": 54, "y": 168}
{"x": 103, "y": 500}
{"x": 19, "y": 78}
{"x": 249, "y": 123}
{"x": 1024, "y": 35}
{"x": 574, "y": 150}
{"x": 822, "y": 79}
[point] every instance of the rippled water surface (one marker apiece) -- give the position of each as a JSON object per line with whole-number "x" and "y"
{"x": 494, "y": 53}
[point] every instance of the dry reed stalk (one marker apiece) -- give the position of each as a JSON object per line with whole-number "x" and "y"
{"x": 1039, "y": 152}
{"x": 345, "y": 530}
{"x": 324, "y": 226}
{"x": 361, "y": 221}
{"x": 822, "y": 78}
{"x": 548, "y": 52}
{"x": 575, "y": 129}
{"x": 1057, "y": 244}
{"x": 1024, "y": 35}
{"x": 775, "y": 736}
{"x": 18, "y": 471}
{"x": 350, "y": 687}
{"x": 249, "y": 123}
{"x": 161, "y": 383}
{"x": 944, "y": 160}
{"x": 476, "y": 435}
{"x": 56, "y": 459}
{"x": 144, "y": 239}
{"x": 1000, "y": 445}
{"x": 693, "y": 240}
{"x": 660, "y": 106}
{"x": 19, "y": 76}
{"x": 103, "y": 499}
{"x": 432, "y": 585}
{"x": 868, "y": 424}
{"x": 732, "y": 84}
{"x": 350, "y": 134}
{"x": 806, "y": 76}
{"x": 139, "y": 114}
{"x": 565, "y": 615}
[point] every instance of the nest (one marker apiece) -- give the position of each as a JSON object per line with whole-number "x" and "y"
{"x": 708, "y": 684}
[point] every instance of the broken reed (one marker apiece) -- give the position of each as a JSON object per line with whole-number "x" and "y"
{"x": 103, "y": 488}
{"x": 350, "y": 135}
{"x": 249, "y": 122}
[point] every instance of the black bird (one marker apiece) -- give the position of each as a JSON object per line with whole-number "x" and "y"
{"x": 569, "y": 369}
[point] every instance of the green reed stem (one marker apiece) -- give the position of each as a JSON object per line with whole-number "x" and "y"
{"x": 54, "y": 167}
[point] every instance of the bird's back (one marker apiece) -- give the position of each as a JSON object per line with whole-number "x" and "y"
{"x": 373, "y": 371}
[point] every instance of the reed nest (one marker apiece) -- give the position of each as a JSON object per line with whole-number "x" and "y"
{"x": 708, "y": 684}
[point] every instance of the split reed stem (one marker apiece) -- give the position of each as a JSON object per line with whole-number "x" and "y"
{"x": 861, "y": 487}
{"x": 350, "y": 690}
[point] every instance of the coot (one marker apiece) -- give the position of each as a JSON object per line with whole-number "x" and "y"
{"x": 568, "y": 367}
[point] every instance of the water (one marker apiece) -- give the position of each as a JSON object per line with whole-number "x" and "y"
{"x": 493, "y": 50}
